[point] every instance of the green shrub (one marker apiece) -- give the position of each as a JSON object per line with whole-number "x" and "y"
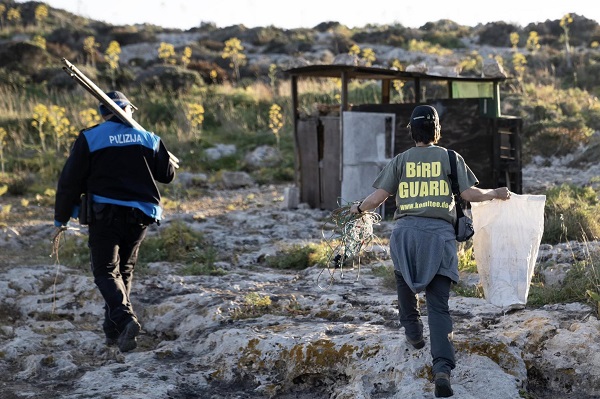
{"x": 446, "y": 33}
{"x": 74, "y": 252}
{"x": 557, "y": 138}
{"x": 203, "y": 263}
{"x": 472, "y": 291}
{"x": 154, "y": 110}
{"x": 17, "y": 183}
{"x": 255, "y": 305}
{"x": 299, "y": 257}
{"x": 581, "y": 284}
{"x": 205, "y": 68}
{"x": 229, "y": 163}
{"x": 571, "y": 213}
{"x": 467, "y": 264}
{"x": 497, "y": 34}
{"x": 13, "y": 79}
{"x": 387, "y": 274}
{"x": 44, "y": 166}
{"x": 178, "y": 242}
{"x": 23, "y": 57}
{"x": 170, "y": 78}
{"x": 276, "y": 174}
{"x": 366, "y": 92}
{"x": 131, "y": 35}
{"x": 174, "y": 243}
{"x": 591, "y": 115}
{"x": 556, "y": 121}
{"x": 466, "y": 258}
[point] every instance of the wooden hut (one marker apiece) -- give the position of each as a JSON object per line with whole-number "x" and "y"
{"x": 340, "y": 149}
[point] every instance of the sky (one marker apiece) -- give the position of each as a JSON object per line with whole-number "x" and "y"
{"x": 186, "y": 14}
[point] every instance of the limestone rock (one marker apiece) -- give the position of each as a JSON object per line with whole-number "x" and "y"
{"x": 421, "y": 68}
{"x": 219, "y": 151}
{"x": 493, "y": 69}
{"x": 263, "y": 156}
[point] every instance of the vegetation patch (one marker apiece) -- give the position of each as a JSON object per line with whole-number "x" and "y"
{"x": 572, "y": 213}
{"x": 466, "y": 258}
{"x": 74, "y": 252}
{"x": 387, "y": 275}
{"x": 468, "y": 291}
{"x": 175, "y": 243}
{"x": 298, "y": 257}
{"x": 581, "y": 284}
{"x": 179, "y": 243}
{"x": 254, "y": 305}
{"x": 318, "y": 356}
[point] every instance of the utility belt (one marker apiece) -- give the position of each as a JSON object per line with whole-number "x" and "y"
{"x": 91, "y": 212}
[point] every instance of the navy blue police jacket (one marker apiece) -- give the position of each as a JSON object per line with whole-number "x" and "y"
{"x": 114, "y": 164}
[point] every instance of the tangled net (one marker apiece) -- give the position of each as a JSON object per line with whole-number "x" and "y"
{"x": 351, "y": 235}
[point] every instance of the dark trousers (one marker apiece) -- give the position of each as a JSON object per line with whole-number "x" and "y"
{"x": 115, "y": 236}
{"x": 437, "y": 294}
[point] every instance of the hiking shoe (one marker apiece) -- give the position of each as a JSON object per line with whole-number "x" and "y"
{"x": 417, "y": 344}
{"x": 442, "y": 386}
{"x": 127, "y": 340}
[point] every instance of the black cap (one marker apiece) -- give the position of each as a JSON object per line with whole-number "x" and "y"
{"x": 119, "y": 99}
{"x": 424, "y": 113}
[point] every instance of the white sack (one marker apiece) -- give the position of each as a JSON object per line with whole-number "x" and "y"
{"x": 506, "y": 243}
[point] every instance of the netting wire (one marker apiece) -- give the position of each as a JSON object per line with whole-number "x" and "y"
{"x": 56, "y": 244}
{"x": 348, "y": 235}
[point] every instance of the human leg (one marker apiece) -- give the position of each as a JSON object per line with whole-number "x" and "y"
{"x": 128, "y": 254}
{"x": 135, "y": 233}
{"x": 440, "y": 329}
{"x": 104, "y": 244}
{"x": 410, "y": 317}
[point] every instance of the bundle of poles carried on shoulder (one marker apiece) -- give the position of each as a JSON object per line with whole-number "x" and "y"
{"x": 94, "y": 90}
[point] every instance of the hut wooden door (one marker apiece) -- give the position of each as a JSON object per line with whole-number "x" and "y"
{"x": 319, "y": 161}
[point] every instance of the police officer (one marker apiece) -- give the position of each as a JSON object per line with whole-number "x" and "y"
{"x": 115, "y": 167}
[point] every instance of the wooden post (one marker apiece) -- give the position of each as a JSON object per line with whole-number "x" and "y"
{"x": 296, "y": 117}
{"x": 497, "y": 99}
{"x": 343, "y": 107}
{"x": 385, "y": 91}
{"x": 417, "y": 90}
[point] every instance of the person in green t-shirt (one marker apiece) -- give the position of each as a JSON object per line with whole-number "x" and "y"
{"x": 423, "y": 242}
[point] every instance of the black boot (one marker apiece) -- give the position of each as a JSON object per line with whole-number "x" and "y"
{"x": 127, "y": 339}
{"x": 443, "y": 389}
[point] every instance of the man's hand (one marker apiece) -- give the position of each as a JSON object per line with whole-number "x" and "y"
{"x": 502, "y": 193}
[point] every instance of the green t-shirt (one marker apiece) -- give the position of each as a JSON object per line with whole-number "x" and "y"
{"x": 419, "y": 178}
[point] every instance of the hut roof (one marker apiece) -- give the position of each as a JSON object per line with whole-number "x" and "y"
{"x": 363, "y": 72}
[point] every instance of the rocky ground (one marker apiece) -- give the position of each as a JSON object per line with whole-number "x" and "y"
{"x": 201, "y": 337}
